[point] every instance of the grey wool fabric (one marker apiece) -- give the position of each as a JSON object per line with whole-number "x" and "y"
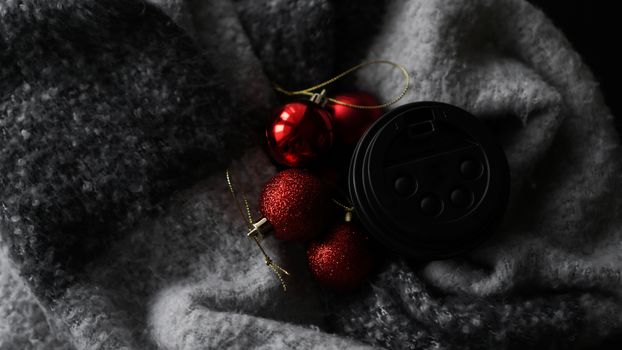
{"x": 118, "y": 118}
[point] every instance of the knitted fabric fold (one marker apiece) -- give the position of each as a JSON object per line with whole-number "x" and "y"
{"x": 118, "y": 119}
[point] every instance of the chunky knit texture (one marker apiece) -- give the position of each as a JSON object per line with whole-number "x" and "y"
{"x": 118, "y": 118}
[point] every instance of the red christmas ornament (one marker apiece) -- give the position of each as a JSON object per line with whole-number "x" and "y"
{"x": 299, "y": 133}
{"x": 351, "y": 123}
{"x": 341, "y": 260}
{"x": 296, "y": 204}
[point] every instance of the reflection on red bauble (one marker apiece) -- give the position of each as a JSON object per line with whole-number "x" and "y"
{"x": 299, "y": 133}
{"x": 296, "y": 203}
{"x": 341, "y": 260}
{"x": 351, "y": 123}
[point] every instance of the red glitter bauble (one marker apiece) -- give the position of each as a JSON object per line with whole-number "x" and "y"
{"x": 351, "y": 123}
{"x": 299, "y": 133}
{"x": 296, "y": 203}
{"x": 341, "y": 260}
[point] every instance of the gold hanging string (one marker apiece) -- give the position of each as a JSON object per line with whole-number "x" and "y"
{"x": 309, "y": 91}
{"x": 349, "y": 209}
{"x": 254, "y": 232}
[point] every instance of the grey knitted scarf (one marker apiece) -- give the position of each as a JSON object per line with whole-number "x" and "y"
{"x": 118, "y": 118}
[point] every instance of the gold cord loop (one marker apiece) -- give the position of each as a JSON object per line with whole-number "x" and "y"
{"x": 255, "y": 229}
{"x": 309, "y": 91}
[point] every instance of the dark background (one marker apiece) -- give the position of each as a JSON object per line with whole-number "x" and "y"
{"x": 593, "y": 28}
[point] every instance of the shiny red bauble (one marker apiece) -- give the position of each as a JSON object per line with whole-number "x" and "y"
{"x": 296, "y": 203}
{"x": 351, "y": 123}
{"x": 299, "y": 132}
{"x": 342, "y": 259}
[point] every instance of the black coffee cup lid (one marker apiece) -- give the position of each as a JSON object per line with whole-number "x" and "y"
{"x": 429, "y": 180}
